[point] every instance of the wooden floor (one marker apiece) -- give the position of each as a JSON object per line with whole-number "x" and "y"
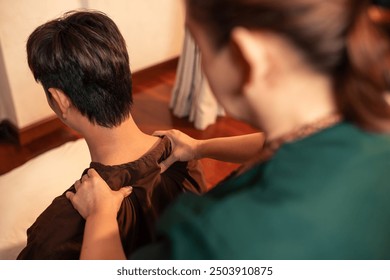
{"x": 150, "y": 111}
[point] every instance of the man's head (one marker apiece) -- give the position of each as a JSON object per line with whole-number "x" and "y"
{"x": 83, "y": 56}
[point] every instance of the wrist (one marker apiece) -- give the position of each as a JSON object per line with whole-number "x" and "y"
{"x": 199, "y": 149}
{"x": 102, "y": 215}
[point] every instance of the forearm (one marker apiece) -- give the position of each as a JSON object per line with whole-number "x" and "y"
{"x": 101, "y": 239}
{"x": 237, "y": 149}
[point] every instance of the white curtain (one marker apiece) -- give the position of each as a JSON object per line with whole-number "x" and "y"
{"x": 191, "y": 95}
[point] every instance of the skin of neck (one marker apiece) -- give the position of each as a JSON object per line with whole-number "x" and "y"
{"x": 113, "y": 146}
{"x": 290, "y": 95}
{"x": 296, "y": 101}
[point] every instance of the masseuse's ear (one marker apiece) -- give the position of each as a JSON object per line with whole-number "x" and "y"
{"x": 63, "y": 102}
{"x": 252, "y": 48}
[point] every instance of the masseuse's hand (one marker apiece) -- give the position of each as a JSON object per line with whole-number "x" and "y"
{"x": 184, "y": 148}
{"x": 94, "y": 197}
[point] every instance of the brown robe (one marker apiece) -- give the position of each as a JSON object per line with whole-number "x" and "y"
{"x": 58, "y": 231}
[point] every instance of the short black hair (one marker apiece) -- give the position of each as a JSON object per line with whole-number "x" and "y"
{"x": 84, "y": 54}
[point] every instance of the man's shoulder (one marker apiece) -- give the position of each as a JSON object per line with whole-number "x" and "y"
{"x": 53, "y": 228}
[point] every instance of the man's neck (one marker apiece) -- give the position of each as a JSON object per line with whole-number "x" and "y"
{"x": 118, "y": 145}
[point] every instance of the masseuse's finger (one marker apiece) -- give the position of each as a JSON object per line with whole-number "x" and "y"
{"x": 167, "y": 133}
{"x": 84, "y": 178}
{"x": 70, "y": 195}
{"x": 164, "y": 165}
{"x": 77, "y": 184}
{"x": 92, "y": 173}
{"x": 160, "y": 133}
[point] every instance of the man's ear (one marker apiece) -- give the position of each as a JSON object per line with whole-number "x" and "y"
{"x": 61, "y": 99}
{"x": 252, "y": 49}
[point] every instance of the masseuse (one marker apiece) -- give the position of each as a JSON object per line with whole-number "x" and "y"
{"x": 313, "y": 75}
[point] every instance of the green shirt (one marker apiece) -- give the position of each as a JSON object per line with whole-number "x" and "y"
{"x": 323, "y": 197}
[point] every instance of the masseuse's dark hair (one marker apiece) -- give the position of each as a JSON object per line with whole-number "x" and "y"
{"x": 337, "y": 37}
{"x": 84, "y": 54}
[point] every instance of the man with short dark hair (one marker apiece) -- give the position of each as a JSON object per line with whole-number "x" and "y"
{"x": 83, "y": 65}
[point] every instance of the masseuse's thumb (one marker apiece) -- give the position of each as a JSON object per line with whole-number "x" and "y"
{"x": 164, "y": 165}
{"x": 126, "y": 191}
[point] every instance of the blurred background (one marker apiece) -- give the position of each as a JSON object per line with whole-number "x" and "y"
{"x": 153, "y": 30}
